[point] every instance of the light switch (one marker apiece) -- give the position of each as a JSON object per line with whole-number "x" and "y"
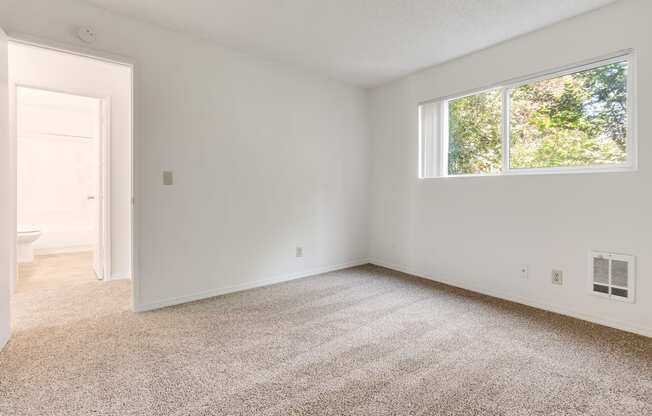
{"x": 167, "y": 177}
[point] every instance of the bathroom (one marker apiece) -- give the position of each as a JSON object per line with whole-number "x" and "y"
{"x": 57, "y": 164}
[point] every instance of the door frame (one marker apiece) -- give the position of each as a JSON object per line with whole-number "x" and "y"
{"x": 28, "y": 40}
{"x": 104, "y": 190}
{"x": 103, "y": 249}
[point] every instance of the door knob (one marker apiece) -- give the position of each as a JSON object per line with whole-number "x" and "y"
{"x": 89, "y": 197}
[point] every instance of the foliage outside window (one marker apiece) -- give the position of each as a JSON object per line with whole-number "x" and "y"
{"x": 569, "y": 121}
{"x": 474, "y": 134}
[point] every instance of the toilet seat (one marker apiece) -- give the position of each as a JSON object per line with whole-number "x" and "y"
{"x": 25, "y": 236}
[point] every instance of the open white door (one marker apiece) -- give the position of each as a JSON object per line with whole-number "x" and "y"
{"x": 102, "y": 201}
{"x": 98, "y": 196}
{"x": 7, "y": 197}
{"x": 94, "y": 196}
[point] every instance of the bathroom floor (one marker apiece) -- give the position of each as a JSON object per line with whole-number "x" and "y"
{"x": 55, "y": 269}
{"x": 54, "y": 289}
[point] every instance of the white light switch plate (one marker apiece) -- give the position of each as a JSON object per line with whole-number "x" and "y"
{"x": 168, "y": 178}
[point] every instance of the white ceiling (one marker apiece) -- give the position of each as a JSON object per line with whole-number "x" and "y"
{"x": 363, "y": 42}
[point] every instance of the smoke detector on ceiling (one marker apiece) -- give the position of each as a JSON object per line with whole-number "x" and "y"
{"x": 87, "y": 34}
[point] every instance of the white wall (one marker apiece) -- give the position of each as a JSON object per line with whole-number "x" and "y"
{"x": 7, "y": 236}
{"x": 477, "y": 232}
{"x": 57, "y": 168}
{"x": 265, "y": 158}
{"x": 47, "y": 69}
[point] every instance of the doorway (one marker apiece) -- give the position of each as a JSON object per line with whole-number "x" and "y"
{"x": 61, "y": 180}
{"x": 71, "y": 157}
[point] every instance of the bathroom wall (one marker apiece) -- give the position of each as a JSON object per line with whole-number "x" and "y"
{"x": 57, "y": 165}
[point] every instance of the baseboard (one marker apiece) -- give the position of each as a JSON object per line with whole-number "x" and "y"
{"x": 119, "y": 277}
{"x": 62, "y": 250}
{"x": 3, "y": 341}
{"x": 623, "y": 326}
{"x": 252, "y": 285}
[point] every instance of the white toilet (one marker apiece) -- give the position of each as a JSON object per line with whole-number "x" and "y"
{"x": 24, "y": 240}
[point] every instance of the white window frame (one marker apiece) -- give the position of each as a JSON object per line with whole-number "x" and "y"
{"x": 433, "y": 124}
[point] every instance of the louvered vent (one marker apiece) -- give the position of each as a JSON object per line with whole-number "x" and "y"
{"x": 612, "y": 275}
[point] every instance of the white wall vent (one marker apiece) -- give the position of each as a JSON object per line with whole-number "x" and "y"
{"x": 613, "y": 275}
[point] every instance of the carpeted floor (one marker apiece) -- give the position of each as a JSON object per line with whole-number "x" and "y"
{"x": 363, "y": 341}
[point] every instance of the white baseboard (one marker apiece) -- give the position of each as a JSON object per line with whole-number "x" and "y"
{"x": 3, "y": 341}
{"x": 238, "y": 288}
{"x": 119, "y": 277}
{"x": 624, "y": 326}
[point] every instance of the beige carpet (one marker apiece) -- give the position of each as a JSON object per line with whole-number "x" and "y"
{"x": 364, "y": 341}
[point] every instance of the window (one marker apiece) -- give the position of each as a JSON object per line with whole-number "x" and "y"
{"x": 573, "y": 120}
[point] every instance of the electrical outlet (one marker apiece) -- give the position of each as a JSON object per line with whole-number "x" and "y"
{"x": 524, "y": 272}
{"x": 557, "y": 277}
{"x": 299, "y": 252}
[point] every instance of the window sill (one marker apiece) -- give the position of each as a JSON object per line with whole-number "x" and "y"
{"x": 543, "y": 171}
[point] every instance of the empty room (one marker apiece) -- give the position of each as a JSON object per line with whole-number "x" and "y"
{"x": 310, "y": 207}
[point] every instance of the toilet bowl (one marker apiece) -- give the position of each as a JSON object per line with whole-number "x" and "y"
{"x": 24, "y": 240}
